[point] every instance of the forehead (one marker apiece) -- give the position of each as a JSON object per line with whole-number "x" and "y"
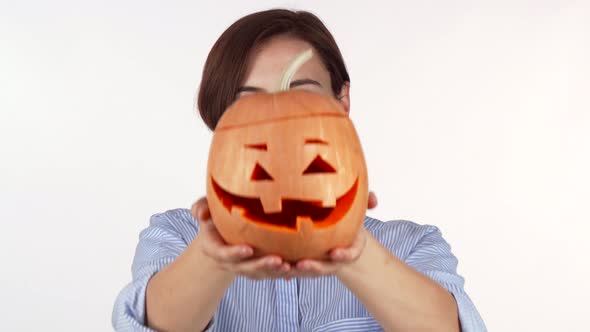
{"x": 280, "y": 46}
{"x": 272, "y": 57}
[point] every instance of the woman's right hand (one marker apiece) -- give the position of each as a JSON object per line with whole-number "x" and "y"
{"x": 233, "y": 258}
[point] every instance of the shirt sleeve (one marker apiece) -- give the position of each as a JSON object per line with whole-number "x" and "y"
{"x": 432, "y": 256}
{"x": 166, "y": 237}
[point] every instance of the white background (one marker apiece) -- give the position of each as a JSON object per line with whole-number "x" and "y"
{"x": 474, "y": 116}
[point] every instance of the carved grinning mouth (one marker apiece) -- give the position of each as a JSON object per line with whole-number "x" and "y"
{"x": 291, "y": 210}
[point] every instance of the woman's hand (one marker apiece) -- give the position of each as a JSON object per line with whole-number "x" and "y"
{"x": 339, "y": 257}
{"x": 233, "y": 258}
{"x": 237, "y": 258}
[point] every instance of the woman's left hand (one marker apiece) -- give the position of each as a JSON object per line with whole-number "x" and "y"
{"x": 339, "y": 257}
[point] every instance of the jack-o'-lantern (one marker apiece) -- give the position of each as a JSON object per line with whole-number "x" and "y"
{"x": 286, "y": 173}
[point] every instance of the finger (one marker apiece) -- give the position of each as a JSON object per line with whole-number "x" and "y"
{"x": 308, "y": 269}
{"x": 372, "y": 201}
{"x": 340, "y": 255}
{"x": 259, "y": 267}
{"x": 282, "y": 270}
{"x": 345, "y": 255}
{"x": 316, "y": 268}
{"x": 200, "y": 209}
{"x": 229, "y": 254}
{"x": 197, "y": 209}
{"x": 194, "y": 210}
{"x": 350, "y": 254}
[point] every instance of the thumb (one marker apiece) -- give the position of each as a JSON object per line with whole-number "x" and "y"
{"x": 200, "y": 210}
{"x": 372, "y": 201}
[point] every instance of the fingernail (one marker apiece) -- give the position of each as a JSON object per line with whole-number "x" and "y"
{"x": 245, "y": 251}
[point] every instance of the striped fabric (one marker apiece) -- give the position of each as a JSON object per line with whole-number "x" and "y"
{"x": 307, "y": 304}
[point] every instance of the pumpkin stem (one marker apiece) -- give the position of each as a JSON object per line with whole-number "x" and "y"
{"x": 293, "y": 67}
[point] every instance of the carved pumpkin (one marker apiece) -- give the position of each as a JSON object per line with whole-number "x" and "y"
{"x": 286, "y": 174}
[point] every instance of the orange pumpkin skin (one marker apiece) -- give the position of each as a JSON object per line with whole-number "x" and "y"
{"x": 287, "y": 175}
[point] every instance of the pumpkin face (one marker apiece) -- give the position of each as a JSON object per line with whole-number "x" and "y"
{"x": 286, "y": 174}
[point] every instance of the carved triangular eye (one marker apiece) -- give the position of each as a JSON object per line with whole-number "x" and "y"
{"x": 319, "y": 165}
{"x": 260, "y": 173}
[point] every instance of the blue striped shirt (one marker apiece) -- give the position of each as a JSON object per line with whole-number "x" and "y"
{"x": 320, "y": 304}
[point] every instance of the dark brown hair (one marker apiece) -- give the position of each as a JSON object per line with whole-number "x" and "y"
{"x": 226, "y": 63}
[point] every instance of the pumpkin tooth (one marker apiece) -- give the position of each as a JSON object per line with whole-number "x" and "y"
{"x": 237, "y": 210}
{"x": 304, "y": 224}
{"x": 271, "y": 204}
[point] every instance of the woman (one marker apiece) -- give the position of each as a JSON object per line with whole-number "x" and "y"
{"x": 397, "y": 275}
